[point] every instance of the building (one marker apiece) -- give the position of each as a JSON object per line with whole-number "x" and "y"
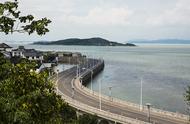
{"x": 5, "y": 47}
{"x": 76, "y": 54}
{"x": 44, "y": 66}
{"x": 67, "y": 54}
{"x": 30, "y": 54}
{"x": 6, "y": 54}
{"x": 18, "y": 52}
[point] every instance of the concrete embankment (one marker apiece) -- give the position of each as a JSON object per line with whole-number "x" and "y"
{"x": 92, "y": 71}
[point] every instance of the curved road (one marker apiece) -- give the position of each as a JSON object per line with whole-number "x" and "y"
{"x": 65, "y": 86}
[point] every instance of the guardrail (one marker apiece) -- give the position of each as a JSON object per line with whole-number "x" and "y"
{"x": 109, "y": 115}
{"x": 104, "y": 114}
{"x": 132, "y": 105}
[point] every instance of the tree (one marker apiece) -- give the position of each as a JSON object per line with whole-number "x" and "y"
{"x": 187, "y": 99}
{"x": 12, "y": 20}
{"x": 104, "y": 121}
{"x": 88, "y": 119}
{"x": 27, "y": 97}
{"x": 4, "y": 67}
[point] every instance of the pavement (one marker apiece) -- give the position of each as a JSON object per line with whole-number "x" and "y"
{"x": 66, "y": 87}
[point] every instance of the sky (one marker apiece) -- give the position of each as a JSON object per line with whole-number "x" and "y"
{"x": 115, "y": 20}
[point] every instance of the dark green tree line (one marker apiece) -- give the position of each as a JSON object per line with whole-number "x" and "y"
{"x": 27, "y": 97}
{"x": 12, "y": 20}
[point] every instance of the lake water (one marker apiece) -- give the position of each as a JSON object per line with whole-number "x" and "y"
{"x": 164, "y": 70}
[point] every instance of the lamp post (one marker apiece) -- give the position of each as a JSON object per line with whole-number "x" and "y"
{"x": 110, "y": 93}
{"x": 73, "y": 92}
{"x": 141, "y": 96}
{"x": 100, "y": 98}
{"x": 78, "y": 67}
{"x": 77, "y": 71}
{"x": 148, "y": 114}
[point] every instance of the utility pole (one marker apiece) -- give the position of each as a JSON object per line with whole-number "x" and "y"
{"x": 141, "y": 96}
{"x": 91, "y": 80}
{"x": 100, "y": 99}
{"x": 148, "y": 114}
{"x": 110, "y": 93}
{"x": 77, "y": 71}
{"x": 73, "y": 92}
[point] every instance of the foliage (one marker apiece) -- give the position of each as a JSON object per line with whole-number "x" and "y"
{"x": 27, "y": 97}
{"x": 88, "y": 119}
{"x": 104, "y": 122}
{"x": 4, "y": 67}
{"x": 49, "y": 57}
{"x": 187, "y": 98}
{"x": 11, "y": 20}
{"x": 187, "y": 95}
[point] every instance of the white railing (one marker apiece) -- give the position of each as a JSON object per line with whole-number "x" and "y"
{"x": 130, "y": 104}
{"x": 118, "y": 102}
{"x": 101, "y": 113}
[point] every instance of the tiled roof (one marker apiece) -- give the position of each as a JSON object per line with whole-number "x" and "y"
{"x": 3, "y": 45}
{"x": 28, "y": 52}
{"x": 32, "y": 53}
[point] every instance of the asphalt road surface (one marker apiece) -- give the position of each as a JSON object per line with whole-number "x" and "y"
{"x": 65, "y": 86}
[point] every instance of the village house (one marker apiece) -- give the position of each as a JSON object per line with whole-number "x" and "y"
{"x": 30, "y": 54}
{"x": 76, "y": 54}
{"x": 5, "y": 47}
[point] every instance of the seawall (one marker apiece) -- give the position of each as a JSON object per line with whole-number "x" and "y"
{"x": 92, "y": 71}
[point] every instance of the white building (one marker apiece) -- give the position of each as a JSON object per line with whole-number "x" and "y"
{"x": 5, "y": 47}
{"x": 30, "y": 54}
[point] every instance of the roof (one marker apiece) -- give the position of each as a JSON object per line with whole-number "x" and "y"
{"x": 20, "y": 49}
{"x": 32, "y": 53}
{"x": 3, "y": 45}
{"x": 28, "y": 52}
{"x": 6, "y": 54}
{"x": 44, "y": 66}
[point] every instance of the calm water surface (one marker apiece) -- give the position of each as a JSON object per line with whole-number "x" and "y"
{"x": 164, "y": 69}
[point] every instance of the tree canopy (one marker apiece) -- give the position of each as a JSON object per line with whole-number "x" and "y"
{"x": 187, "y": 99}
{"x": 12, "y": 20}
{"x": 25, "y": 96}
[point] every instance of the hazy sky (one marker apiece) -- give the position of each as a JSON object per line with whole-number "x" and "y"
{"x": 116, "y": 20}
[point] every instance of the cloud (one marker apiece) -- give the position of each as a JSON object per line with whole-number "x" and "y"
{"x": 104, "y": 16}
{"x": 179, "y": 15}
{"x": 112, "y": 19}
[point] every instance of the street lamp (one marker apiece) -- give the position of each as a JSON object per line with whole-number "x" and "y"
{"x": 148, "y": 114}
{"x": 141, "y": 96}
{"x": 110, "y": 93}
{"x": 100, "y": 98}
{"x": 78, "y": 67}
{"x": 73, "y": 92}
{"x": 78, "y": 70}
{"x": 91, "y": 76}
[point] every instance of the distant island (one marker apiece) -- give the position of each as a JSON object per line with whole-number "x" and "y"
{"x": 84, "y": 42}
{"x": 162, "y": 41}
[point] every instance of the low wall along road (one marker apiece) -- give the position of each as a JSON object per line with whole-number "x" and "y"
{"x": 70, "y": 85}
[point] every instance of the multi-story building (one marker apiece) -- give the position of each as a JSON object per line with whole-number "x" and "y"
{"x": 30, "y": 54}
{"x": 5, "y": 47}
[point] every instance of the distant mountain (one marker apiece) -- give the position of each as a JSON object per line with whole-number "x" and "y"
{"x": 85, "y": 42}
{"x": 163, "y": 41}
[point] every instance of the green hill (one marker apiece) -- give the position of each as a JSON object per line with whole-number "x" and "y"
{"x": 84, "y": 42}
